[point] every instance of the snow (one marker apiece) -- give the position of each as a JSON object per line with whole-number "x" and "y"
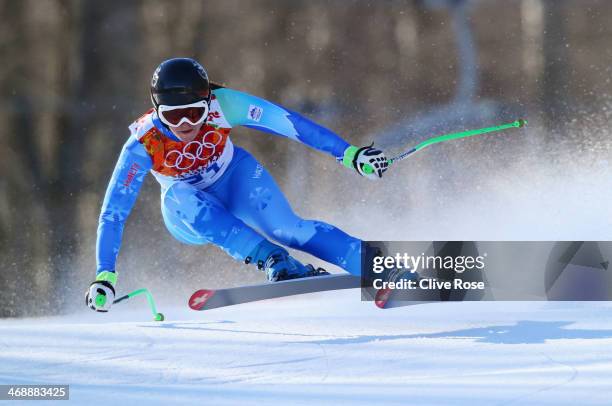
{"x": 324, "y": 348}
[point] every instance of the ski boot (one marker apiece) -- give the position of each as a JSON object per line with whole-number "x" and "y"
{"x": 282, "y": 266}
{"x": 278, "y": 265}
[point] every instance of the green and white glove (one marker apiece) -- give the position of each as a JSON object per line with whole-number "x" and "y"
{"x": 101, "y": 292}
{"x": 368, "y": 161}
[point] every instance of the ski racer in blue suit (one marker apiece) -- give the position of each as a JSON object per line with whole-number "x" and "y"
{"x": 216, "y": 192}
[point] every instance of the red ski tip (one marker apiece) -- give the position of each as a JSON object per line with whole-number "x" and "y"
{"x": 198, "y": 300}
{"x": 382, "y": 296}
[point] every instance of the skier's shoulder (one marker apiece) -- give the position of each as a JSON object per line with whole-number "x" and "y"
{"x": 221, "y": 105}
{"x": 242, "y": 108}
{"x": 143, "y": 125}
{"x": 226, "y": 95}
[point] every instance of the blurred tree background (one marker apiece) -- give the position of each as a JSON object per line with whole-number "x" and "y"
{"x": 75, "y": 74}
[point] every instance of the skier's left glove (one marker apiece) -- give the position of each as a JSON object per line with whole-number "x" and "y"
{"x": 368, "y": 161}
{"x": 101, "y": 292}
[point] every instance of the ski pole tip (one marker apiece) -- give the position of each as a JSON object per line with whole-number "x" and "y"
{"x": 159, "y": 317}
{"x": 521, "y": 122}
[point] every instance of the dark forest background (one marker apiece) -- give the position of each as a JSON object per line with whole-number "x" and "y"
{"x": 74, "y": 74}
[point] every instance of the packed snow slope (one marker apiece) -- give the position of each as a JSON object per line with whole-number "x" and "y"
{"x": 324, "y": 348}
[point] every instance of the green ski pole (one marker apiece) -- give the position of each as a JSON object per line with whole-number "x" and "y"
{"x": 520, "y": 123}
{"x": 157, "y": 316}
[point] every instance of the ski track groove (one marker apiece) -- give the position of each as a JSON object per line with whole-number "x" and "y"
{"x": 326, "y": 362}
{"x": 572, "y": 377}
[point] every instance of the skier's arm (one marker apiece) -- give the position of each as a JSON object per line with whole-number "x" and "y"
{"x": 250, "y": 111}
{"x": 253, "y": 112}
{"x": 121, "y": 193}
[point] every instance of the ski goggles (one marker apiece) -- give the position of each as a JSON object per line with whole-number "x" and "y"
{"x": 174, "y": 116}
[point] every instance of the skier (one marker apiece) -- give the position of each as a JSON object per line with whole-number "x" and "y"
{"x": 216, "y": 192}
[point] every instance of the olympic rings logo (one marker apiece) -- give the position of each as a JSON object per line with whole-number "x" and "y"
{"x": 189, "y": 156}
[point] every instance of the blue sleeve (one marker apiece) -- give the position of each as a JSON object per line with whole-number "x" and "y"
{"x": 246, "y": 110}
{"x": 121, "y": 194}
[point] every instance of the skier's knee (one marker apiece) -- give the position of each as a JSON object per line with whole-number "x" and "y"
{"x": 189, "y": 203}
{"x": 177, "y": 194}
{"x": 186, "y": 214}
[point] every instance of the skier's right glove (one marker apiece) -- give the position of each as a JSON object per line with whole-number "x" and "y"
{"x": 101, "y": 292}
{"x": 368, "y": 161}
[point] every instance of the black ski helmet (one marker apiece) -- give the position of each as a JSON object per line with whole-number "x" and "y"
{"x": 179, "y": 81}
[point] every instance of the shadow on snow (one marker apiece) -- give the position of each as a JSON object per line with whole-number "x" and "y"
{"x": 523, "y": 332}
